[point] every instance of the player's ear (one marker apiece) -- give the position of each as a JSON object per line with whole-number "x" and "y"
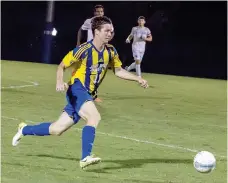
{"x": 96, "y": 32}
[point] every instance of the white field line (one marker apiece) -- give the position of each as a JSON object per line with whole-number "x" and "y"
{"x": 21, "y": 86}
{"x": 133, "y": 139}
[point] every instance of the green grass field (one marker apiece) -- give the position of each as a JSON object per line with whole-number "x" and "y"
{"x": 145, "y": 136}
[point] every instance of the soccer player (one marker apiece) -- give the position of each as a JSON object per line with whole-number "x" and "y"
{"x": 140, "y": 35}
{"x": 86, "y": 29}
{"x": 92, "y": 60}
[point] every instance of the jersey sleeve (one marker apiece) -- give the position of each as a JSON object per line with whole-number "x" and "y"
{"x": 132, "y": 31}
{"x": 86, "y": 25}
{"x": 116, "y": 62}
{"x": 148, "y": 32}
{"x": 72, "y": 56}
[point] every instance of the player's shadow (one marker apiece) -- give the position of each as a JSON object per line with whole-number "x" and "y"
{"x": 137, "y": 163}
{"x": 121, "y": 164}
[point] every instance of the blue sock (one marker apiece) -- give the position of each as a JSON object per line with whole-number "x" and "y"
{"x": 41, "y": 129}
{"x": 88, "y": 136}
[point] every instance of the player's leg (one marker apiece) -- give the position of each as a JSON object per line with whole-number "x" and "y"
{"x": 92, "y": 117}
{"x": 138, "y": 68}
{"x": 68, "y": 118}
{"x": 84, "y": 107}
{"x": 137, "y": 58}
{"x": 56, "y": 128}
{"x": 133, "y": 65}
{"x": 138, "y": 63}
{"x": 44, "y": 129}
{"x": 90, "y": 114}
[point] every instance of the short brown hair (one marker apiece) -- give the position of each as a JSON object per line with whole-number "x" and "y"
{"x": 97, "y": 22}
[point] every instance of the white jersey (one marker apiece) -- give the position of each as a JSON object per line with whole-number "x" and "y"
{"x": 138, "y": 34}
{"x": 88, "y": 27}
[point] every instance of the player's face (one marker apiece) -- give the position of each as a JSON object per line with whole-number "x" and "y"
{"x": 141, "y": 22}
{"x": 99, "y": 12}
{"x": 105, "y": 33}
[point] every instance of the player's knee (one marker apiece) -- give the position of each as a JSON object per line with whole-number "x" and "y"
{"x": 61, "y": 125}
{"x": 57, "y": 133}
{"x": 94, "y": 120}
{"x": 90, "y": 114}
{"x": 56, "y": 129}
{"x": 137, "y": 62}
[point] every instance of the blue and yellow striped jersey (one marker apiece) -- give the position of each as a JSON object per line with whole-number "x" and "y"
{"x": 90, "y": 65}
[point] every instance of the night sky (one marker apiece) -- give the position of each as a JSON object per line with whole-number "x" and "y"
{"x": 189, "y": 38}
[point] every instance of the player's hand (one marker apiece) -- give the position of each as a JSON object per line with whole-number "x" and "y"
{"x": 61, "y": 86}
{"x": 128, "y": 41}
{"x": 143, "y": 83}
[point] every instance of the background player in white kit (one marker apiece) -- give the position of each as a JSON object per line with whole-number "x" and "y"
{"x": 85, "y": 31}
{"x": 140, "y": 35}
{"x": 86, "y": 28}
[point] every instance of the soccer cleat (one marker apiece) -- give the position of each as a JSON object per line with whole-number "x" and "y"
{"x": 89, "y": 160}
{"x": 18, "y": 135}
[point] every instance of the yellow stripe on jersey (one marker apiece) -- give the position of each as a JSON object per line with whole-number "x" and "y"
{"x": 115, "y": 61}
{"x": 70, "y": 58}
{"x": 81, "y": 50}
{"x": 81, "y": 72}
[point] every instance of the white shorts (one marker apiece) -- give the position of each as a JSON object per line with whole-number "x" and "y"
{"x": 138, "y": 54}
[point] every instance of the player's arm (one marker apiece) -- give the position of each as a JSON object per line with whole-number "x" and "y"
{"x": 59, "y": 78}
{"x": 129, "y": 38}
{"x": 149, "y": 36}
{"x": 83, "y": 31}
{"x": 72, "y": 57}
{"x": 79, "y": 37}
{"x": 123, "y": 74}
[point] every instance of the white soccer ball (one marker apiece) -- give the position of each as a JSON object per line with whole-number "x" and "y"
{"x": 204, "y": 162}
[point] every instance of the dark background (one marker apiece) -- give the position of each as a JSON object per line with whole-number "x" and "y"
{"x": 189, "y": 38}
